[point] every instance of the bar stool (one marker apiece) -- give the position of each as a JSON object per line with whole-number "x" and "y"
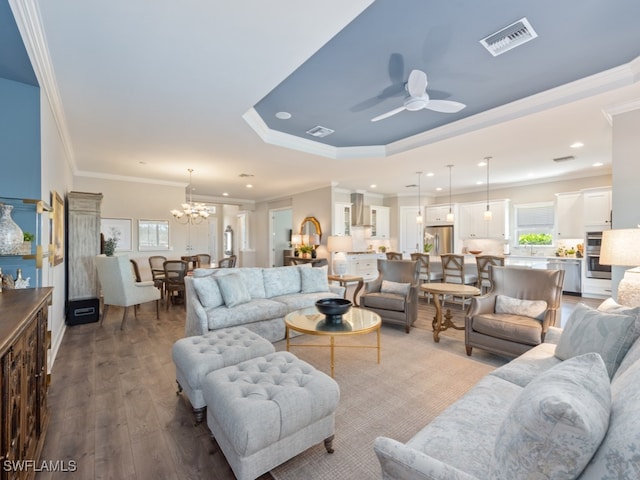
{"x": 453, "y": 270}
{"x": 484, "y": 263}
{"x": 427, "y": 274}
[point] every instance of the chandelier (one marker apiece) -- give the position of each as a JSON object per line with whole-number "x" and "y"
{"x": 191, "y": 212}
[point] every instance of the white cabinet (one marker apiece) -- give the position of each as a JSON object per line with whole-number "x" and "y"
{"x": 597, "y": 207}
{"x": 342, "y": 219}
{"x": 569, "y": 217}
{"x": 471, "y": 223}
{"x": 436, "y": 214}
{"x": 363, "y": 265}
{"x": 379, "y": 222}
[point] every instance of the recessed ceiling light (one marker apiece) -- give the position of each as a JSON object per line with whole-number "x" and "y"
{"x": 482, "y": 164}
{"x": 430, "y": 174}
{"x": 479, "y": 182}
{"x": 576, "y": 145}
{"x": 142, "y": 162}
{"x": 225, "y": 194}
{"x": 373, "y": 185}
{"x": 438, "y": 189}
{"x": 598, "y": 164}
{"x": 283, "y": 115}
{"x": 248, "y": 185}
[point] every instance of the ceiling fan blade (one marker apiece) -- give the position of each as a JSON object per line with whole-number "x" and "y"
{"x": 388, "y": 114}
{"x": 417, "y": 83}
{"x": 445, "y": 106}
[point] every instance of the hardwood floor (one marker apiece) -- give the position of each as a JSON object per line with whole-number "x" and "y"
{"x": 114, "y": 409}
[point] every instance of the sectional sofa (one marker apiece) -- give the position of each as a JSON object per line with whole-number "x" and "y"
{"x": 253, "y": 297}
{"x": 568, "y": 408}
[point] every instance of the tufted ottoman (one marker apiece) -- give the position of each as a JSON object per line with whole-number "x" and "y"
{"x": 197, "y": 356}
{"x": 266, "y": 410}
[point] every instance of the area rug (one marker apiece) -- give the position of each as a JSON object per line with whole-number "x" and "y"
{"x": 415, "y": 381}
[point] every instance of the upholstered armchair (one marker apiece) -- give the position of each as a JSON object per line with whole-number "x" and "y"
{"x": 516, "y": 313}
{"x": 394, "y": 294}
{"x": 120, "y": 288}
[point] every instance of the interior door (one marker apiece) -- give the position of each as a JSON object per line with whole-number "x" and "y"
{"x": 281, "y": 227}
{"x": 410, "y": 240}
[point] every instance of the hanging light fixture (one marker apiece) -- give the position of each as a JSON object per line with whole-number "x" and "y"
{"x": 193, "y": 213}
{"x": 450, "y": 214}
{"x": 487, "y": 212}
{"x": 419, "y": 216}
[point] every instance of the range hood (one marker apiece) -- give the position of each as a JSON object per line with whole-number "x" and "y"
{"x": 360, "y": 213}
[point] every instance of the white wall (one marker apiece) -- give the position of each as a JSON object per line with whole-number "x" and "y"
{"x": 56, "y": 176}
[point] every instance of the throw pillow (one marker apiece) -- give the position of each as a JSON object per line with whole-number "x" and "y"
{"x": 395, "y": 287}
{"x": 589, "y": 330}
{"x": 516, "y": 306}
{"x": 314, "y": 279}
{"x": 208, "y": 291}
{"x": 556, "y": 424}
{"x": 233, "y": 290}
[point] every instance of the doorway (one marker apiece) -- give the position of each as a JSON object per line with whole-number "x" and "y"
{"x": 281, "y": 229}
{"x": 410, "y": 231}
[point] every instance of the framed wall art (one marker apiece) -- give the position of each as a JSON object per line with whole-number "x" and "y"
{"x": 57, "y": 228}
{"x": 119, "y": 228}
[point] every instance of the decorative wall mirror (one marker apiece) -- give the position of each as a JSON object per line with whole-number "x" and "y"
{"x": 311, "y": 226}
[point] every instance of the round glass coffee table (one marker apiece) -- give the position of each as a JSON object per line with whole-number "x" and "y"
{"x": 357, "y": 321}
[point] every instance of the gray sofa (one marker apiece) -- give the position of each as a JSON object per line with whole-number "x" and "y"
{"x": 567, "y": 408}
{"x": 256, "y": 298}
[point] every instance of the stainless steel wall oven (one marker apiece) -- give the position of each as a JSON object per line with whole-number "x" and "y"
{"x": 594, "y": 269}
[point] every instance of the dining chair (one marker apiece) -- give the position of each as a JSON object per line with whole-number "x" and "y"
{"x": 119, "y": 287}
{"x": 156, "y": 263}
{"x": 174, "y": 273}
{"x": 394, "y": 256}
{"x": 227, "y": 262}
{"x": 428, "y": 273}
{"x": 484, "y": 263}
{"x": 454, "y": 270}
{"x": 203, "y": 260}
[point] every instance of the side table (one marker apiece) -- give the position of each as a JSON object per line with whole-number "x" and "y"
{"x": 344, "y": 280}
{"x": 439, "y": 290}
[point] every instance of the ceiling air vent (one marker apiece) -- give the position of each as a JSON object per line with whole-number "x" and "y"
{"x": 319, "y": 131}
{"x": 563, "y": 159}
{"x": 509, "y": 37}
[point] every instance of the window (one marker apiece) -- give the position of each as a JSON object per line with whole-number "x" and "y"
{"x": 153, "y": 235}
{"x": 534, "y": 223}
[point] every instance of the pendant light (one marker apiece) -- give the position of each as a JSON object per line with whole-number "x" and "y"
{"x": 487, "y": 213}
{"x": 419, "y": 216}
{"x": 450, "y": 214}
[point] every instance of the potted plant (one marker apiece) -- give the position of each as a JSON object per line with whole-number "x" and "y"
{"x": 111, "y": 243}
{"x": 305, "y": 250}
{"x": 427, "y": 247}
{"x": 27, "y": 238}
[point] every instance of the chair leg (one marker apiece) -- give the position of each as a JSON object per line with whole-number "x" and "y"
{"x": 124, "y": 317}
{"x": 158, "y": 309}
{"x": 468, "y": 349}
{"x": 105, "y": 309}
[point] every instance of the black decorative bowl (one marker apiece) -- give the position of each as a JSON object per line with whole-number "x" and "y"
{"x": 333, "y": 309}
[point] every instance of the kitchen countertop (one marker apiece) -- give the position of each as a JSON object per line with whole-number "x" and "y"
{"x": 540, "y": 257}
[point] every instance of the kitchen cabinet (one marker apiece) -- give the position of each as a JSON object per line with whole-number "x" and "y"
{"x": 379, "y": 222}
{"x": 24, "y": 341}
{"x": 569, "y": 215}
{"x": 597, "y": 207}
{"x": 363, "y": 265}
{"x": 437, "y": 214}
{"x": 342, "y": 219}
{"x": 471, "y": 223}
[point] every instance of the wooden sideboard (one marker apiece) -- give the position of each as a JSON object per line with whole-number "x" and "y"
{"x": 24, "y": 341}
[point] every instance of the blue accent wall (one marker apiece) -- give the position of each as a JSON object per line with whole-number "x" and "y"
{"x": 20, "y": 160}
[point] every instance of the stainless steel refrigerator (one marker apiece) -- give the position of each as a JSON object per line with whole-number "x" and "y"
{"x": 441, "y": 236}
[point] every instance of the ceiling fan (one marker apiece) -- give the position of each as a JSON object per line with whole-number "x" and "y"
{"x": 419, "y": 98}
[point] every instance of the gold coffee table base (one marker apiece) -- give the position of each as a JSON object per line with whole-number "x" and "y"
{"x": 356, "y": 322}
